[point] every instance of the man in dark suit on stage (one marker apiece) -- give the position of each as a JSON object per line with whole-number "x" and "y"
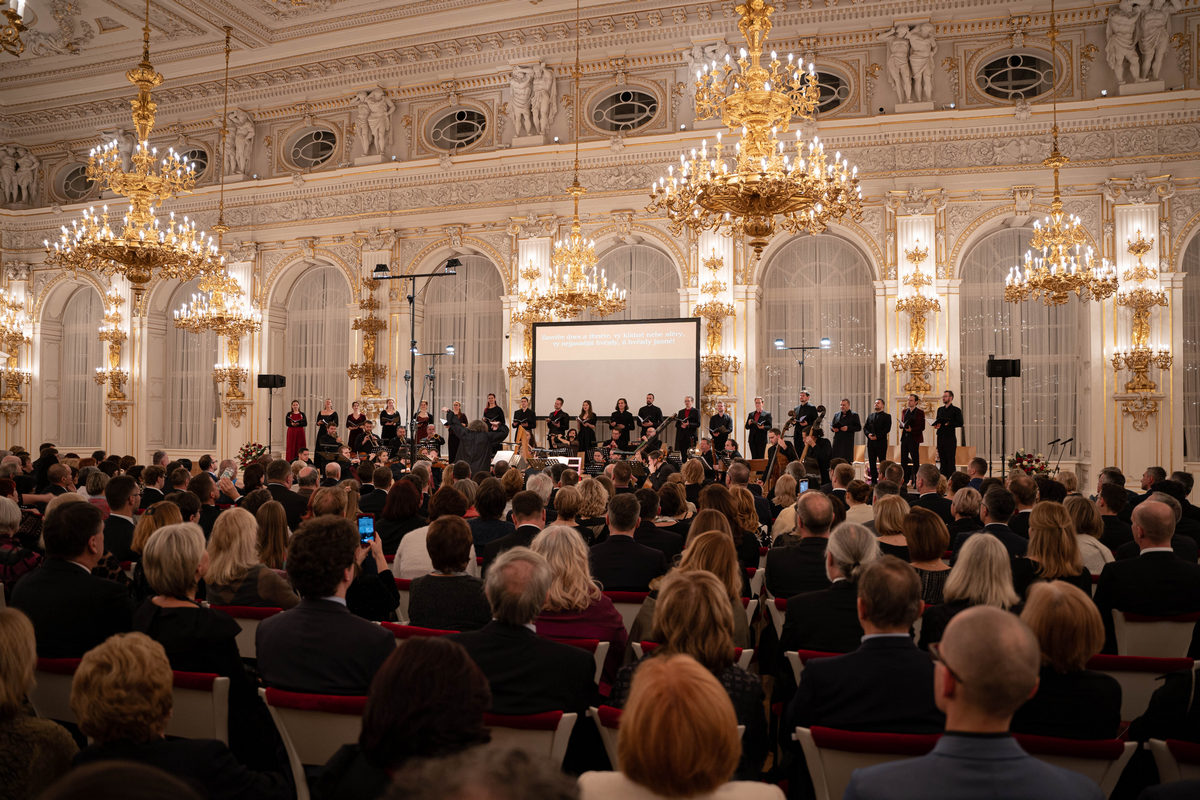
{"x": 876, "y": 429}
{"x": 279, "y": 484}
{"x": 927, "y": 496}
{"x": 845, "y": 424}
{"x": 557, "y": 422}
{"x": 912, "y": 435}
{"x": 319, "y": 646}
{"x": 687, "y": 426}
{"x": 995, "y": 511}
{"x": 649, "y": 415}
{"x": 948, "y": 420}
{"x": 619, "y": 563}
{"x": 475, "y": 441}
{"x": 758, "y": 423}
{"x": 793, "y": 569}
{"x": 805, "y": 415}
{"x": 72, "y": 611}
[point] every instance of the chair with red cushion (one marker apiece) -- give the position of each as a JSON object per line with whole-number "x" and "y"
{"x": 756, "y": 575}
{"x": 403, "y": 586}
{"x": 544, "y": 734}
{"x": 248, "y": 617}
{"x": 313, "y": 727}
{"x": 1102, "y": 760}
{"x": 833, "y": 754}
{"x": 798, "y": 658}
{"x": 762, "y": 557}
{"x": 200, "y": 708}
{"x": 51, "y": 693}
{"x": 1177, "y": 760}
{"x": 740, "y": 657}
{"x": 402, "y": 632}
{"x": 751, "y": 606}
{"x": 596, "y": 647}
{"x": 1139, "y": 677}
{"x": 777, "y": 607}
{"x": 628, "y": 604}
{"x": 608, "y": 720}
{"x": 1155, "y": 637}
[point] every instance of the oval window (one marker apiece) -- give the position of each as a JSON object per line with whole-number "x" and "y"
{"x": 459, "y": 128}
{"x": 198, "y": 158}
{"x": 1016, "y": 76}
{"x": 626, "y": 110}
{"x": 312, "y": 148}
{"x": 834, "y": 89}
{"x": 75, "y": 184}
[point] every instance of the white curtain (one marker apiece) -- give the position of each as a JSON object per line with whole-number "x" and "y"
{"x": 649, "y": 279}
{"x": 814, "y": 287}
{"x": 464, "y": 311}
{"x": 318, "y": 344}
{"x": 82, "y": 408}
{"x": 1051, "y": 342}
{"x": 1188, "y": 362}
{"x": 192, "y": 405}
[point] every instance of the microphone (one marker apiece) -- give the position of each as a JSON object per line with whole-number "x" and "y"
{"x": 1051, "y": 444}
{"x": 407, "y": 376}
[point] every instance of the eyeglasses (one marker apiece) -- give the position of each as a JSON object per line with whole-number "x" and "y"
{"x": 936, "y": 652}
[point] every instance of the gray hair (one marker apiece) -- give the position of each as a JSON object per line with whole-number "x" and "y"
{"x": 966, "y": 501}
{"x": 468, "y": 489}
{"x": 542, "y": 484}
{"x": 171, "y": 557}
{"x": 852, "y": 546}
{"x": 95, "y": 482}
{"x": 516, "y": 585}
{"x": 10, "y": 516}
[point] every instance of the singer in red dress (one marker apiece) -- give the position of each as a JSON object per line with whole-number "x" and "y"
{"x": 297, "y": 427}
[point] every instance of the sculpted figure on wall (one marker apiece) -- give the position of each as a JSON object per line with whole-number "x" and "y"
{"x": 1138, "y": 35}
{"x": 544, "y": 103}
{"x": 521, "y": 84}
{"x": 240, "y": 143}
{"x": 898, "y": 69}
{"x": 923, "y": 47}
{"x": 374, "y": 117}
{"x": 1154, "y": 35}
{"x": 18, "y": 174}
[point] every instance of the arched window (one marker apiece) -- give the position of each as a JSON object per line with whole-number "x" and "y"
{"x": 814, "y": 287}
{"x": 82, "y": 406}
{"x": 464, "y": 311}
{"x": 318, "y": 344}
{"x": 192, "y": 408}
{"x": 649, "y": 278}
{"x": 1043, "y": 403}
{"x": 1190, "y": 361}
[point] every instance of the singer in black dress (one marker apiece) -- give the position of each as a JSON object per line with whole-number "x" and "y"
{"x": 354, "y": 427}
{"x": 389, "y": 421}
{"x": 622, "y": 422}
{"x": 587, "y": 426}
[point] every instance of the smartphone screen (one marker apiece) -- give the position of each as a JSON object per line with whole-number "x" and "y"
{"x": 227, "y": 473}
{"x": 366, "y": 529}
{"x": 803, "y": 485}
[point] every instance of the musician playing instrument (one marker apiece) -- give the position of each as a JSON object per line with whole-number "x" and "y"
{"x": 587, "y": 420}
{"x": 524, "y": 417}
{"x": 820, "y": 449}
{"x": 758, "y": 423}
{"x": 327, "y": 427}
{"x": 622, "y": 422}
{"x": 845, "y": 424}
{"x": 719, "y": 426}
{"x": 777, "y": 443}
{"x": 649, "y": 440}
{"x": 912, "y": 435}
{"x": 389, "y": 422}
{"x": 949, "y": 418}
{"x": 805, "y": 416}
{"x": 649, "y": 415}
{"x": 687, "y": 426}
{"x": 296, "y": 423}
{"x": 710, "y": 459}
{"x": 877, "y": 428}
{"x": 557, "y": 422}
{"x": 730, "y": 452}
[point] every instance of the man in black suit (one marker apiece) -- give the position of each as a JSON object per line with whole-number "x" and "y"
{"x": 279, "y": 483}
{"x": 994, "y": 513}
{"x": 1188, "y": 483}
{"x": 333, "y": 474}
{"x": 619, "y": 562}
{"x": 58, "y": 478}
{"x": 912, "y": 436}
{"x": 1110, "y": 501}
{"x": 793, "y": 569}
{"x": 649, "y": 534}
{"x": 876, "y": 429}
{"x": 1150, "y": 476}
{"x": 738, "y": 475}
{"x": 649, "y": 415}
{"x": 319, "y": 646}
{"x": 948, "y": 420}
{"x": 528, "y": 674}
{"x": 845, "y": 424}
{"x": 72, "y": 611}
{"x": 528, "y": 516}
{"x": 123, "y": 496}
{"x": 805, "y": 415}
{"x": 203, "y": 487}
{"x": 687, "y": 426}
{"x": 758, "y": 422}
{"x": 1184, "y": 546}
{"x": 886, "y": 685}
{"x": 1024, "y": 489}
{"x": 1155, "y": 583}
{"x": 372, "y": 502}
{"x": 927, "y": 496}
{"x": 153, "y": 479}
{"x": 557, "y": 422}
{"x": 475, "y": 441}
{"x": 839, "y": 479}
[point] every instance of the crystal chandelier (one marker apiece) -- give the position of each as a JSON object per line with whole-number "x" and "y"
{"x": 10, "y": 31}
{"x": 140, "y": 247}
{"x": 762, "y": 186}
{"x": 916, "y": 360}
{"x": 1064, "y": 266}
{"x": 715, "y": 311}
{"x": 527, "y": 313}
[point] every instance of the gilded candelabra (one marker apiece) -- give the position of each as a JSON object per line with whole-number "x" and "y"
{"x": 529, "y": 311}
{"x": 10, "y": 32}
{"x": 113, "y": 334}
{"x": 14, "y": 323}
{"x": 764, "y": 184}
{"x": 1139, "y": 359}
{"x": 917, "y": 361}
{"x": 368, "y": 371}
{"x": 715, "y": 311}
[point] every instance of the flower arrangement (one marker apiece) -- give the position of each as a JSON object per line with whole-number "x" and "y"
{"x": 1029, "y": 463}
{"x": 249, "y": 453}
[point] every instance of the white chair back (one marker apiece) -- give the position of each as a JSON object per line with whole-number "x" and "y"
{"x": 311, "y": 731}
{"x": 1160, "y": 638}
{"x": 200, "y": 708}
{"x": 540, "y": 734}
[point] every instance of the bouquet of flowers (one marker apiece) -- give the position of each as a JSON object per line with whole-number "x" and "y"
{"x": 1029, "y": 463}
{"x": 250, "y": 452}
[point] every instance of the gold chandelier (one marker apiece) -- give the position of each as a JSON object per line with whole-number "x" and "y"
{"x": 10, "y": 32}
{"x": 527, "y": 314}
{"x": 14, "y": 334}
{"x": 916, "y": 360}
{"x": 368, "y": 371}
{"x": 1141, "y": 299}
{"x": 140, "y": 247}
{"x": 762, "y": 187}
{"x": 1064, "y": 266}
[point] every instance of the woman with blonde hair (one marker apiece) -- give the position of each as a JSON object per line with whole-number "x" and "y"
{"x": 593, "y": 505}
{"x": 784, "y": 496}
{"x": 1072, "y": 701}
{"x": 693, "y": 479}
{"x": 575, "y": 606}
{"x": 693, "y": 617}
{"x": 927, "y": 538}
{"x": 708, "y": 519}
{"x": 980, "y": 577}
{"x": 35, "y": 751}
{"x": 272, "y": 534}
{"x": 1089, "y": 527}
{"x": 1053, "y": 553}
{"x": 890, "y": 512}
{"x": 350, "y": 486}
{"x": 567, "y": 501}
{"x": 236, "y": 576}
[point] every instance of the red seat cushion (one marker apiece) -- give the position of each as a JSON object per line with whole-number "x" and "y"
{"x": 905, "y": 744}
{"x": 326, "y": 703}
{"x": 1080, "y": 748}
{"x": 403, "y": 584}
{"x": 545, "y": 721}
{"x": 1184, "y": 752}
{"x": 610, "y": 717}
{"x": 809, "y": 655}
{"x": 411, "y": 631}
{"x": 583, "y": 644}
{"x": 58, "y": 666}
{"x": 200, "y": 681}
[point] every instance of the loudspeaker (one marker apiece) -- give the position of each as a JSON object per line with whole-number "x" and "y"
{"x": 1003, "y": 367}
{"x": 272, "y": 381}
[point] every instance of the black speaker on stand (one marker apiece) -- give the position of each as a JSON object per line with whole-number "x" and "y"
{"x": 271, "y": 383}
{"x": 1003, "y": 368}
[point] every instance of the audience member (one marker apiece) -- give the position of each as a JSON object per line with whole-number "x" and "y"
{"x": 674, "y": 512}
{"x": 1111, "y": 499}
{"x": 995, "y": 511}
{"x": 858, "y": 503}
{"x": 279, "y": 483}
{"x": 650, "y": 535}
{"x": 236, "y": 576}
{"x": 412, "y": 556}
{"x": 927, "y": 539}
{"x": 153, "y": 480}
{"x": 1025, "y": 492}
{"x": 528, "y": 516}
{"x": 619, "y": 562}
{"x": 119, "y": 780}
{"x": 400, "y": 514}
{"x": 272, "y": 534}
{"x": 1184, "y": 546}
{"x": 203, "y": 486}
{"x": 890, "y": 513}
{"x": 494, "y": 773}
{"x": 798, "y": 565}
{"x": 981, "y": 577}
{"x": 926, "y": 481}
{"x": 1089, "y": 529}
{"x": 16, "y": 561}
{"x": 1053, "y": 553}
{"x": 449, "y": 597}
{"x": 490, "y": 525}
{"x": 964, "y": 508}
{"x": 745, "y": 532}
{"x": 123, "y": 496}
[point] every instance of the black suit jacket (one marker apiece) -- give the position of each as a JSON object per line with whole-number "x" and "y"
{"x": 1015, "y": 545}
{"x": 475, "y": 447}
{"x": 529, "y": 674}
{"x": 622, "y": 564}
{"x": 843, "y": 441}
{"x": 1078, "y": 705}
{"x": 1019, "y": 523}
{"x": 118, "y": 538}
{"x": 1158, "y": 584}
{"x": 797, "y": 568}
{"x": 886, "y": 686}
{"x": 293, "y": 504}
{"x": 825, "y": 620}
{"x": 208, "y": 518}
{"x": 320, "y": 647}
{"x": 521, "y": 537}
{"x": 937, "y": 504}
{"x": 669, "y": 542}
{"x": 1117, "y": 532}
{"x": 372, "y": 502}
{"x": 1184, "y": 547}
{"x": 948, "y": 418}
{"x": 72, "y": 610}
{"x": 964, "y": 525}
{"x": 150, "y": 496}
{"x": 880, "y": 424}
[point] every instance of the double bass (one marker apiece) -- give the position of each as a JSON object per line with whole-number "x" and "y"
{"x": 779, "y": 463}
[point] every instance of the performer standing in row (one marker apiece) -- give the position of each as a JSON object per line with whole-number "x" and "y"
{"x": 622, "y": 422}
{"x": 649, "y": 415}
{"x": 355, "y": 423}
{"x": 557, "y": 422}
{"x": 719, "y": 426}
{"x": 912, "y": 434}
{"x": 806, "y": 415}
{"x": 452, "y": 449}
{"x": 424, "y": 420}
{"x": 687, "y": 425}
{"x": 327, "y": 427}
{"x": 845, "y": 424}
{"x": 297, "y": 439}
{"x": 949, "y": 419}
{"x": 389, "y": 422}
{"x": 493, "y": 417}
{"x": 877, "y": 428}
{"x": 587, "y": 426}
{"x": 524, "y": 418}
{"x": 758, "y": 424}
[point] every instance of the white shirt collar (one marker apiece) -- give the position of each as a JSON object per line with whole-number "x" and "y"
{"x": 121, "y": 516}
{"x": 884, "y": 636}
{"x": 1157, "y": 550}
{"x": 335, "y": 599}
{"x": 86, "y": 569}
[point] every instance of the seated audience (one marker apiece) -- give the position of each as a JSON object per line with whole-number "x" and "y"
{"x": 592, "y": 507}
{"x": 986, "y": 668}
{"x": 1184, "y": 545}
{"x": 890, "y": 513}
{"x": 674, "y": 513}
{"x": 708, "y": 520}
{"x": 995, "y": 511}
{"x": 123, "y": 496}
{"x": 745, "y": 533}
{"x": 1089, "y": 529}
{"x": 156, "y": 516}
{"x": 490, "y": 524}
{"x": 16, "y": 561}
{"x": 235, "y": 576}
{"x": 799, "y": 564}
{"x": 651, "y": 535}
{"x": 401, "y": 513}
{"x": 858, "y": 502}
{"x": 449, "y": 597}
{"x": 927, "y": 539}
{"x": 121, "y": 695}
{"x": 1053, "y": 553}
{"x": 827, "y": 619}
{"x": 964, "y": 508}
{"x": 982, "y": 577}
{"x": 320, "y": 646}
{"x": 1111, "y": 499}
{"x": 620, "y": 563}
{"x": 426, "y": 701}
{"x": 272, "y": 536}
{"x": 678, "y": 735}
{"x": 495, "y": 773}
{"x": 926, "y": 481}
{"x": 1072, "y": 701}
{"x": 1025, "y": 492}
{"x": 119, "y": 780}
{"x": 528, "y": 517}
{"x": 371, "y": 502}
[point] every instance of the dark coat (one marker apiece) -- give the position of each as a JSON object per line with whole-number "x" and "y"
{"x": 72, "y": 610}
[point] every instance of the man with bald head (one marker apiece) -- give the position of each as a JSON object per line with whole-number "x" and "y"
{"x": 1157, "y": 582}
{"x": 796, "y": 562}
{"x": 986, "y": 668}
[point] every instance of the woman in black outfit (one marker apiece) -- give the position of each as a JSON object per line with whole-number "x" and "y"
{"x": 327, "y": 427}
{"x": 587, "y": 426}
{"x": 400, "y": 514}
{"x": 448, "y": 598}
{"x": 1053, "y": 552}
{"x": 389, "y": 421}
{"x": 621, "y": 421}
